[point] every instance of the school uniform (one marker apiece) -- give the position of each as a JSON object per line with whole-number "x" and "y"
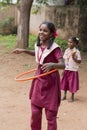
{"x": 45, "y": 91}
{"x": 70, "y": 79}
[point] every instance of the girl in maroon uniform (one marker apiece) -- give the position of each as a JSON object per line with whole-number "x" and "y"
{"x": 45, "y": 91}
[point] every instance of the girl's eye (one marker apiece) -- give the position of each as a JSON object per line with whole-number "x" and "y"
{"x": 43, "y": 30}
{"x": 70, "y": 41}
{"x": 40, "y": 29}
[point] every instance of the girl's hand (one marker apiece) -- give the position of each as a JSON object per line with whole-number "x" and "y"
{"x": 74, "y": 55}
{"x": 47, "y": 67}
{"x": 18, "y": 51}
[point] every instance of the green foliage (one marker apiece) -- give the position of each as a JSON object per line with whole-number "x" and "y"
{"x": 59, "y": 41}
{"x": 7, "y": 22}
{"x": 83, "y": 2}
{"x": 42, "y": 2}
{"x": 8, "y": 2}
{"x": 9, "y": 41}
{"x": 35, "y": 9}
{"x": 62, "y": 43}
{"x": 7, "y": 26}
{"x": 39, "y": 1}
{"x": 32, "y": 41}
{"x": 4, "y": 2}
{"x": 14, "y": 30}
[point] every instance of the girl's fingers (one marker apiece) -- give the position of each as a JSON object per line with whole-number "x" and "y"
{"x": 16, "y": 52}
{"x": 45, "y": 68}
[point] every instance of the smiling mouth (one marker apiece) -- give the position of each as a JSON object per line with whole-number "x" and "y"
{"x": 41, "y": 37}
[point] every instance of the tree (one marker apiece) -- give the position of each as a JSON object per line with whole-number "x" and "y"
{"x": 82, "y": 28}
{"x": 23, "y": 29}
{"x": 24, "y": 8}
{"x": 6, "y": 1}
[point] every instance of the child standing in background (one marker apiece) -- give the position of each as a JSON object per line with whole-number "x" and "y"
{"x": 70, "y": 79}
{"x": 45, "y": 91}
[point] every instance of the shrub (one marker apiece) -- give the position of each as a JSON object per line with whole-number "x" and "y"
{"x": 6, "y": 26}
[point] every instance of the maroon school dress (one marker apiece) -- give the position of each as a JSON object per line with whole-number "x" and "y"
{"x": 70, "y": 79}
{"x": 45, "y": 91}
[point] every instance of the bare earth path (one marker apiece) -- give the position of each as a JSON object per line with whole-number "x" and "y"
{"x": 15, "y": 105}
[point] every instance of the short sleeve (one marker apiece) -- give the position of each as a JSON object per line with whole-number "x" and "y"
{"x": 78, "y": 55}
{"x": 58, "y": 53}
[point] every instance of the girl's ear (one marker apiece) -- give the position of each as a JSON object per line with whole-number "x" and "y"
{"x": 51, "y": 34}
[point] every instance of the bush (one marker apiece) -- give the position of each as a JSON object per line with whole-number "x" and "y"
{"x": 11, "y": 40}
{"x": 6, "y": 26}
{"x": 7, "y": 22}
{"x": 59, "y": 41}
{"x": 62, "y": 43}
{"x": 32, "y": 41}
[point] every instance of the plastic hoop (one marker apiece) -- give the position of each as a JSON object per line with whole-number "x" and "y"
{"x": 17, "y": 78}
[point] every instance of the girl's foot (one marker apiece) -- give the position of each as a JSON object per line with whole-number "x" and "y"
{"x": 72, "y": 98}
{"x": 64, "y": 98}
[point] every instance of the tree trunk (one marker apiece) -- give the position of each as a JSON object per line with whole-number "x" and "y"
{"x": 82, "y": 28}
{"x": 24, "y": 9}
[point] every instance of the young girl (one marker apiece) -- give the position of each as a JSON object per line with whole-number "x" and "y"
{"x": 70, "y": 79}
{"x": 45, "y": 91}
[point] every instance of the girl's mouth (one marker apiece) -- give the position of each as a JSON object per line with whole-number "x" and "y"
{"x": 41, "y": 37}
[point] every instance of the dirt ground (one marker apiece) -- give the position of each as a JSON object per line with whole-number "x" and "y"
{"x": 14, "y": 103}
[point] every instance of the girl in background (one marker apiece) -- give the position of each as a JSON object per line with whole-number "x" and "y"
{"x": 70, "y": 79}
{"x": 45, "y": 91}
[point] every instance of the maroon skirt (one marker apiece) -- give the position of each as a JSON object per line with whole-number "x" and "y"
{"x": 70, "y": 81}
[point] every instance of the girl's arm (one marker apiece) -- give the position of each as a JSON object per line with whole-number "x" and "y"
{"x": 59, "y": 65}
{"x": 48, "y": 66}
{"x": 77, "y": 61}
{"x": 75, "y": 58}
{"x": 18, "y": 51}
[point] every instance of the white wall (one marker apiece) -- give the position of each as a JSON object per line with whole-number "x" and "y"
{"x": 56, "y": 2}
{"x": 64, "y": 17}
{"x": 53, "y": 2}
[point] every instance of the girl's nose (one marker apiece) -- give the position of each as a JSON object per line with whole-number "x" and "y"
{"x": 41, "y": 32}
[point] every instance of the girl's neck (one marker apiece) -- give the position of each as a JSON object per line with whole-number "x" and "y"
{"x": 72, "y": 48}
{"x": 43, "y": 46}
{"x": 44, "y": 43}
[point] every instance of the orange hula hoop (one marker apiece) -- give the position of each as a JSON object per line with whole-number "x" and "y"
{"x": 17, "y": 78}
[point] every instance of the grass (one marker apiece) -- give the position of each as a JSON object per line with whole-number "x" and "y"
{"x": 9, "y": 41}
{"x": 32, "y": 41}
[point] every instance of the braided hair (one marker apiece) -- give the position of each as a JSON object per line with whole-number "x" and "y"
{"x": 52, "y": 38}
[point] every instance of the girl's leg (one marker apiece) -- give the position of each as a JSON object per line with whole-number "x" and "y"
{"x": 72, "y": 98}
{"x": 51, "y": 119}
{"x": 64, "y": 97}
{"x": 36, "y": 117}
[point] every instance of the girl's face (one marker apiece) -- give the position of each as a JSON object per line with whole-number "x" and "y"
{"x": 44, "y": 32}
{"x": 71, "y": 44}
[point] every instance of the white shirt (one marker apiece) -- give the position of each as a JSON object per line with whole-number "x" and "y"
{"x": 70, "y": 64}
{"x": 38, "y": 52}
